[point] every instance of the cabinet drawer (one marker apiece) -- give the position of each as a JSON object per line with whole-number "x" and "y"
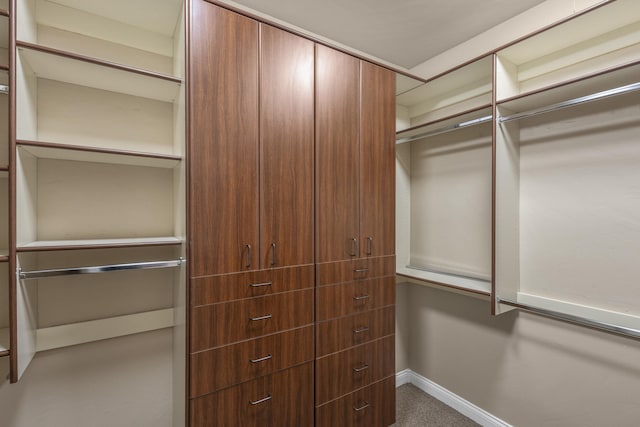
{"x": 213, "y": 370}
{"x": 363, "y": 268}
{"x": 229, "y": 287}
{"x": 346, "y": 371}
{"x": 373, "y": 406}
{"x": 220, "y": 324}
{"x": 279, "y": 400}
{"x": 345, "y": 332}
{"x": 355, "y": 297}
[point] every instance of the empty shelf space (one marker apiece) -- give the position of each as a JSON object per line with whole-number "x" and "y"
{"x": 53, "y": 65}
{"x": 58, "y": 245}
{"x": 49, "y": 150}
{"x": 117, "y": 32}
{"x": 444, "y": 125}
{"x": 97, "y": 61}
{"x": 468, "y": 284}
{"x": 4, "y": 341}
{"x": 616, "y": 81}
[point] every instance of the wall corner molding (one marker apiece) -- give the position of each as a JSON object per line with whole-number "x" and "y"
{"x": 449, "y": 398}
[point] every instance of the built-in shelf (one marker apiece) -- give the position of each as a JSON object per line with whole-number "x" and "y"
{"x": 462, "y": 283}
{"x": 4, "y": 12}
{"x": 53, "y": 64}
{"x": 3, "y": 169}
{"x": 49, "y": 150}
{"x": 60, "y": 245}
{"x": 4, "y": 341}
{"x": 463, "y": 120}
{"x": 3, "y": 255}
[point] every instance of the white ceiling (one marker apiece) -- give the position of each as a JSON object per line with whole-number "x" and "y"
{"x": 402, "y": 32}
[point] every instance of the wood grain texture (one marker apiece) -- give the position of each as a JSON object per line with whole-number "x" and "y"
{"x": 286, "y": 148}
{"x": 339, "y": 334}
{"x": 349, "y": 298}
{"x": 234, "y": 286}
{"x": 377, "y": 161}
{"x": 337, "y": 154}
{"x": 346, "y": 271}
{"x": 226, "y": 323}
{"x": 341, "y": 373}
{"x": 291, "y": 403}
{"x": 381, "y": 411}
{"x": 226, "y": 366}
{"x": 224, "y": 141}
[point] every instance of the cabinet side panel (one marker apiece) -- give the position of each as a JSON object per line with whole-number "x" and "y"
{"x": 337, "y": 157}
{"x": 377, "y": 154}
{"x": 286, "y": 149}
{"x": 224, "y": 140}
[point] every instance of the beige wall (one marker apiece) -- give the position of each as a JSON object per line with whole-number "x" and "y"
{"x": 525, "y": 369}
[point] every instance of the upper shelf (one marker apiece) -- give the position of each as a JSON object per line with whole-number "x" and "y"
{"x": 146, "y": 34}
{"x": 447, "y": 124}
{"x": 590, "y": 43}
{"x": 71, "y": 68}
{"x": 457, "y": 92}
{"x": 58, "y": 245}
{"x": 98, "y": 155}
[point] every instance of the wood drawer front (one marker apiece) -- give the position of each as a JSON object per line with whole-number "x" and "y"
{"x": 290, "y": 402}
{"x": 213, "y": 370}
{"x": 339, "y": 334}
{"x": 363, "y": 268}
{"x": 343, "y": 372}
{"x": 355, "y": 297}
{"x": 229, "y": 287}
{"x": 376, "y": 404}
{"x": 226, "y": 323}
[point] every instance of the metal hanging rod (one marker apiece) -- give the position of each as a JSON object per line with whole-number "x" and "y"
{"x": 577, "y": 320}
{"x": 4, "y": 89}
{"x": 445, "y": 129}
{"x": 573, "y": 102}
{"x": 36, "y": 274}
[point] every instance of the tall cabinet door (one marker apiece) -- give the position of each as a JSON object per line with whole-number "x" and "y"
{"x": 337, "y": 154}
{"x": 286, "y": 148}
{"x": 224, "y": 135}
{"x": 377, "y": 162}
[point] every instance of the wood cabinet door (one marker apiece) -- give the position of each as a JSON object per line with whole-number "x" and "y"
{"x": 224, "y": 141}
{"x": 337, "y": 154}
{"x": 377, "y": 162}
{"x": 286, "y": 148}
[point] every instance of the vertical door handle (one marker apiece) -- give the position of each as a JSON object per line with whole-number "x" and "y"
{"x": 369, "y": 246}
{"x": 354, "y": 246}
{"x": 274, "y": 255}
{"x": 248, "y": 256}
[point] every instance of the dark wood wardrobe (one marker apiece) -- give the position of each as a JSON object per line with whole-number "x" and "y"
{"x": 291, "y": 229}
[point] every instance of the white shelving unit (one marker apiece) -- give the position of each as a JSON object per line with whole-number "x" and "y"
{"x": 567, "y": 159}
{"x": 444, "y": 177}
{"x": 100, "y": 176}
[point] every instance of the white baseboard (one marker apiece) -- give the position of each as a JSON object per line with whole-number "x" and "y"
{"x": 456, "y": 402}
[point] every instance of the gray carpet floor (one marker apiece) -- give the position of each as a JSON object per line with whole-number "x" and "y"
{"x": 414, "y": 408}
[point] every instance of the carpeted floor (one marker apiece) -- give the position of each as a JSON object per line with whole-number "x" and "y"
{"x": 414, "y": 408}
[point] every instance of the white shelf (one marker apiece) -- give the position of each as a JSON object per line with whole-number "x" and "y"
{"x": 448, "y": 280}
{"x": 60, "y": 68}
{"x": 87, "y": 154}
{"x": 44, "y": 245}
{"x": 448, "y": 124}
{"x": 4, "y": 339}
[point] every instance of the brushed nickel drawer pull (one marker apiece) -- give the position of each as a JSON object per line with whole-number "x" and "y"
{"x": 361, "y": 297}
{"x": 259, "y": 401}
{"x": 361, "y": 330}
{"x": 364, "y": 406}
{"x": 255, "y": 319}
{"x": 364, "y": 367}
{"x": 259, "y": 285}
{"x": 360, "y": 270}
{"x": 261, "y": 359}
